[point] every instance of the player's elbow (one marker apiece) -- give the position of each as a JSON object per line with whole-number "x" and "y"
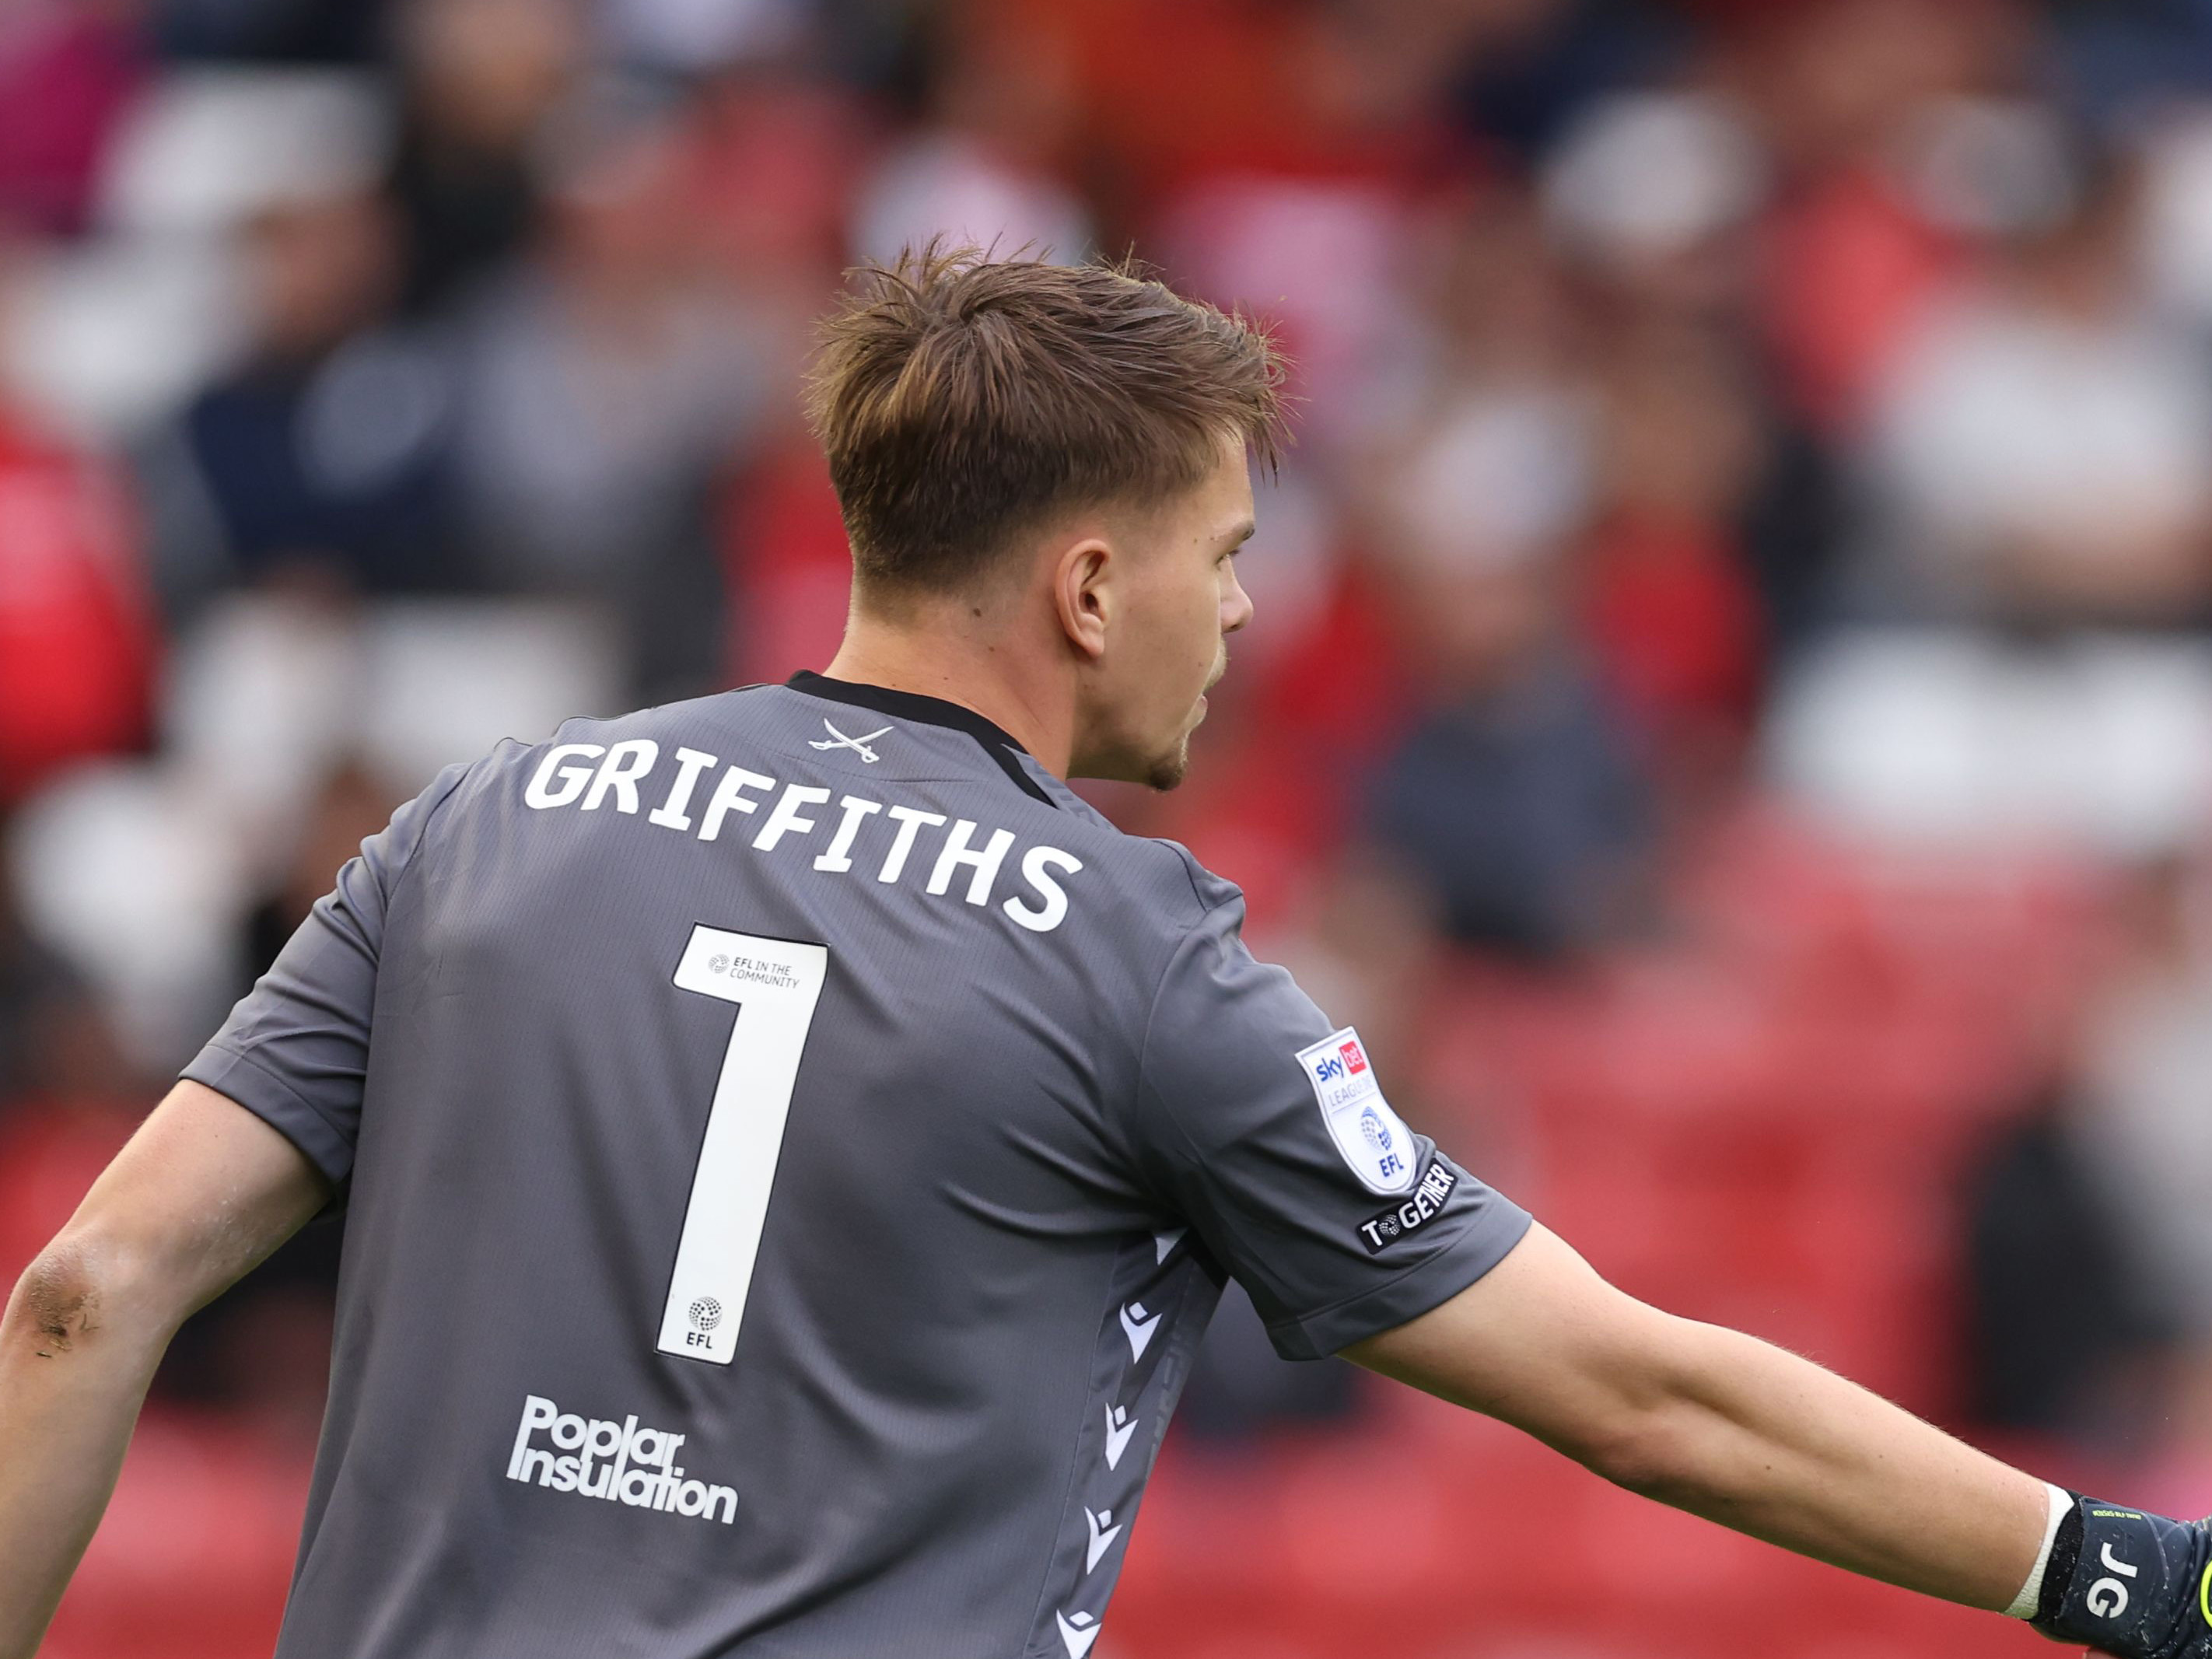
{"x": 1647, "y": 1450}
{"x": 1668, "y": 1435}
{"x": 1653, "y": 1431}
{"x": 81, "y": 1294}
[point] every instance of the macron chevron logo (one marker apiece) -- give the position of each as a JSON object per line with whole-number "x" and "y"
{"x": 1102, "y": 1537}
{"x": 1120, "y": 1425}
{"x": 1078, "y": 1633}
{"x": 1139, "y": 1326}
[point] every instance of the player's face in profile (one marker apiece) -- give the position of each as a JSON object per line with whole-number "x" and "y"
{"x": 1181, "y": 601}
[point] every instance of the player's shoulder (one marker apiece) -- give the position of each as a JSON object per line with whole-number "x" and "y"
{"x": 1194, "y": 893}
{"x": 1161, "y": 876}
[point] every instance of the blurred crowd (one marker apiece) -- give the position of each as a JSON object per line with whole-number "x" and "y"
{"x": 1730, "y": 708}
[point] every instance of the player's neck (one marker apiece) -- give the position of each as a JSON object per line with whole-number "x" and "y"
{"x": 985, "y": 676}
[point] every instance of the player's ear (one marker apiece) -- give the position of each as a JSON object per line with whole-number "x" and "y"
{"x": 1082, "y": 593}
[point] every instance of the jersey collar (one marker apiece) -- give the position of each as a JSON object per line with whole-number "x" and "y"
{"x": 997, "y": 742}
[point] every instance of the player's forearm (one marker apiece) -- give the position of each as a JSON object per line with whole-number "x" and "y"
{"x": 203, "y": 1192}
{"x": 78, "y": 1346}
{"x": 1771, "y": 1444}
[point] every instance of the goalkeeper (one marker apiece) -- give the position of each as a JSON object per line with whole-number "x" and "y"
{"x": 792, "y": 1145}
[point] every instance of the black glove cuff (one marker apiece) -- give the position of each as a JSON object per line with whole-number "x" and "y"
{"x": 2128, "y": 1583}
{"x": 2058, "y": 1572}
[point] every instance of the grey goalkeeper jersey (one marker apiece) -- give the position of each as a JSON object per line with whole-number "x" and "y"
{"x": 791, "y": 1147}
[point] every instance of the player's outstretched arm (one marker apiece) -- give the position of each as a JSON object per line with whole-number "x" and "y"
{"x": 203, "y": 1192}
{"x": 1743, "y": 1433}
{"x": 1724, "y": 1425}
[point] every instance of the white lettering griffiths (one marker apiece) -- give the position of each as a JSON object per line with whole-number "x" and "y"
{"x": 890, "y": 843}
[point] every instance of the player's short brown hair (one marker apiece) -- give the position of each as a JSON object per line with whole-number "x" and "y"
{"x": 962, "y": 398}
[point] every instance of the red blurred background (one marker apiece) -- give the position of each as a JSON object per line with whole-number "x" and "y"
{"x": 1729, "y": 714}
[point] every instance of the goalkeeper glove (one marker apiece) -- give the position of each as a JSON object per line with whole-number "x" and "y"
{"x": 2129, "y": 1584}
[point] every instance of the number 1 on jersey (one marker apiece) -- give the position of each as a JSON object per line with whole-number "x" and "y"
{"x": 775, "y": 984}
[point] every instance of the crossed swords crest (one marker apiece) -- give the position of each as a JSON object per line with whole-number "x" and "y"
{"x": 837, "y": 739}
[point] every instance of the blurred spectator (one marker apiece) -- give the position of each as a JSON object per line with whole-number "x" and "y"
{"x": 608, "y": 384}
{"x": 2089, "y": 1252}
{"x": 986, "y": 170}
{"x": 327, "y": 452}
{"x": 481, "y": 76}
{"x": 110, "y": 335}
{"x": 352, "y": 805}
{"x": 211, "y": 147}
{"x": 2122, "y": 56}
{"x": 2142, "y": 1110}
{"x": 136, "y": 877}
{"x": 1721, "y": 491}
{"x": 1516, "y": 800}
{"x": 1839, "y": 89}
{"x": 2044, "y": 441}
{"x": 1654, "y": 193}
{"x": 1484, "y": 446}
{"x": 2063, "y": 1332}
{"x": 1671, "y": 613}
{"x": 1513, "y": 798}
{"x": 1529, "y": 68}
{"x": 268, "y": 31}
{"x": 2098, "y": 742}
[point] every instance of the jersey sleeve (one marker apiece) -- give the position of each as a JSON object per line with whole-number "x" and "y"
{"x": 294, "y": 1051}
{"x": 1269, "y": 1132}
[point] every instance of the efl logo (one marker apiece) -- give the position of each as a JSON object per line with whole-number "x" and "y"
{"x": 1378, "y": 1148}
